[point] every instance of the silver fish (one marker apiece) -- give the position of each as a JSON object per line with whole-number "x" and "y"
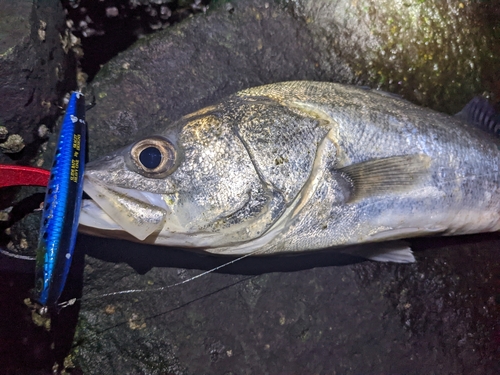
{"x": 299, "y": 166}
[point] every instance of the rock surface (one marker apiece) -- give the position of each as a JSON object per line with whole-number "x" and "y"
{"x": 292, "y": 315}
{"x": 438, "y": 316}
{"x": 434, "y": 53}
{"x": 439, "y": 54}
{"x": 196, "y": 63}
{"x": 35, "y": 71}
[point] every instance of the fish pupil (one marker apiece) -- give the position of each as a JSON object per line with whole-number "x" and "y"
{"x": 150, "y": 157}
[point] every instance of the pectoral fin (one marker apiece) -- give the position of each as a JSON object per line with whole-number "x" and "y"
{"x": 387, "y": 175}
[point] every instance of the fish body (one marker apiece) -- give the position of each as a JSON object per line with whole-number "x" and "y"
{"x": 61, "y": 206}
{"x": 298, "y": 166}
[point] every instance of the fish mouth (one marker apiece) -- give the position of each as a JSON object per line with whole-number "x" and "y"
{"x": 140, "y": 214}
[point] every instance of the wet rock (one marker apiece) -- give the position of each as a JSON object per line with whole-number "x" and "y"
{"x": 293, "y": 315}
{"x": 34, "y": 70}
{"x": 365, "y": 318}
{"x": 195, "y": 63}
{"x": 434, "y": 53}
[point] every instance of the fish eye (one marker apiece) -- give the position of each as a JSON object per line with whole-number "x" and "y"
{"x": 154, "y": 156}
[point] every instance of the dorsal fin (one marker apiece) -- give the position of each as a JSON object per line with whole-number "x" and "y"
{"x": 479, "y": 112}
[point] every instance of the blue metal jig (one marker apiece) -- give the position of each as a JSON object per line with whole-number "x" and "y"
{"x": 62, "y": 206}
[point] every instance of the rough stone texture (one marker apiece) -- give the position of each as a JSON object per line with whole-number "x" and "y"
{"x": 288, "y": 315}
{"x": 34, "y": 69}
{"x": 435, "y": 53}
{"x": 198, "y": 62}
{"x": 34, "y": 74}
{"x": 283, "y": 315}
{"x": 438, "y": 316}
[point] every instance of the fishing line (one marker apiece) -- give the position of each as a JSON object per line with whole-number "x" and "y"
{"x": 129, "y": 291}
{"x": 16, "y": 256}
{"x": 175, "y": 284}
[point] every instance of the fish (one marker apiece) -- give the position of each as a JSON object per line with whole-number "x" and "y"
{"x": 300, "y": 166}
{"x": 60, "y": 216}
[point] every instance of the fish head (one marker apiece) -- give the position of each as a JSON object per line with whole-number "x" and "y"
{"x": 195, "y": 185}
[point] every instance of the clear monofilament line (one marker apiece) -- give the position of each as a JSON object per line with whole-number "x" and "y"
{"x": 129, "y": 291}
{"x": 16, "y": 256}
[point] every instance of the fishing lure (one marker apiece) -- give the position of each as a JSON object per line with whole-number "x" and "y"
{"x": 61, "y": 206}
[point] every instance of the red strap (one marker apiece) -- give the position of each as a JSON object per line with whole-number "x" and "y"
{"x": 12, "y": 175}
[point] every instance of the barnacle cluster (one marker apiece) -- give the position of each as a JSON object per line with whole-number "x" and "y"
{"x": 107, "y": 27}
{"x": 95, "y": 18}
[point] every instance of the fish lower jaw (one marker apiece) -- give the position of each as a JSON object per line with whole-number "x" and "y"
{"x": 96, "y": 222}
{"x": 92, "y": 216}
{"x": 138, "y": 213}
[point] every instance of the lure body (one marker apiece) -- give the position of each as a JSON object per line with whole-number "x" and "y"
{"x": 62, "y": 205}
